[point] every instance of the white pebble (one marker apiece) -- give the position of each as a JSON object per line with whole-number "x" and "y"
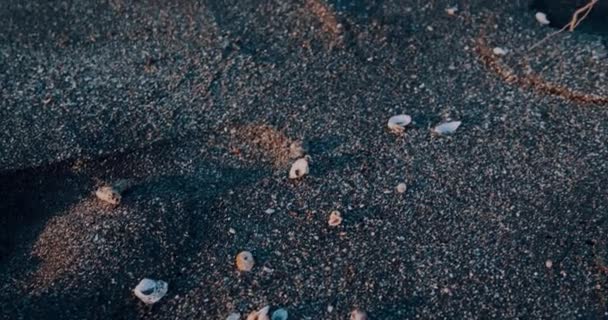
{"x": 549, "y": 264}
{"x": 541, "y": 17}
{"x": 398, "y": 123}
{"x": 151, "y": 291}
{"x": 401, "y": 187}
{"x": 234, "y": 316}
{"x": 299, "y": 168}
{"x": 500, "y": 51}
{"x": 447, "y": 127}
{"x": 451, "y": 10}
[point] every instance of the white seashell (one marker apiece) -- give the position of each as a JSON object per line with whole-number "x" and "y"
{"x": 401, "y": 188}
{"x": 541, "y": 17}
{"x": 299, "y": 168}
{"x": 447, "y": 127}
{"x": 245, "y": 261}
{"x": 279, "y": 314}
{"x": 151, "y": 291}
{"x": 358, "y": 315}
{"x": 398, "y": 123}
{"x": 335, "y": 218}
{"x": 500, "y": 51}
{"x": 234, "y": 316}
{"x": 261, "y": 314}
{"x": 451, "y": 10}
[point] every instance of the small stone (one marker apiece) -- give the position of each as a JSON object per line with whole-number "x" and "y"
{"x": 358, "y": 315}
{"x": 499, "y": 51}
{"x": 261, "y": 314}
{"x": 330, "y": 308}
{"x": 231, "y": 231}
{"x": 297, "y": 150}
{"x": 401, "y": 188}
{"x": 335, "y": 218}
{"x": 299, "y": 168}
{"x": 398, "y": 123}
{"x": 151, "y": 291}
{"x": 245, "y": 261}
{"x": 451, "y": 10}
{"x": 541, "y": 17}
{"x": 447, "y": 128}
{"x": 234, "y": 316}
{"x": 108, "y": 194}
{"x": 279, "y": 314}
{"x": 549, "y": 264}
{"x": 270, "y": 211}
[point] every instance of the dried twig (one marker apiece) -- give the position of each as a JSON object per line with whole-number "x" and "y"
{"x": 574, "y": 22}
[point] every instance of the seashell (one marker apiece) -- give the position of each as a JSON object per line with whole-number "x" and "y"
{"x": 401, "y": 188}
{"x": 151, "y": 291}
{"x": 279, "y": 314}
{"x": 234, "y": 316}
{"x": 299, "y": 168}
{"x": 261, "y": 314}
{"x": 398, "y": 123}
{"x": 541, "y": 17}
{"x": 335, "y": 218}
{"x": 447, "y": 127}
{"x": 500, "y": 51}
{"x": 358, "y": 315}
{"x": 451, "y": 10}
{"x": 245, "y": 261}
{"x": 297, "y": 149}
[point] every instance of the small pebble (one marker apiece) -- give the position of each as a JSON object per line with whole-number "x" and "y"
{"x": 279, "y": 314}
{"x": 299, "y": 168}
{"x": 549, "y": 264}
{"x": 151, "y": 291}
{"x": 499, "y": 51}
{"x": 451, "y": 10}
{"x": 234, "y": 316}
{"x": 270, "y": 211}
{"x": 297, "y": 150}
{"x": 108, "y": 194}
{"x": 335, "y": 218}
{"x": 401, "y": 188}
{"x": 447, "y": 128}
{"x": 330, "y": 308}
{"x": 358, "y": 315}
{"x": 541, "y": 17}
{"x": 262, "y": 314}
{"x": 245, "y": 261}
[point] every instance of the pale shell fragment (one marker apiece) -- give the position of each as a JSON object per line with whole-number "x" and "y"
{"x": 151, "y": 291}
{"x": 447, "y": 127}
{"x": 358, "y": 315}
{"x": 335, "y": 218}
{"x": 234, "y": 316}
{"x": 451, "y": 10}
{"x": 500, "y": 51}
{"x": 245, "y": 261}
{"x": 279, "y": 314}
{"x": 261, "y": 314}
{"x": 398, "y": 123}
{"x": 299, "y": 168}
{"x": 541, "y": 17}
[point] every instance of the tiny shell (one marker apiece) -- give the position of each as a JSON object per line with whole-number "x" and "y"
{"x": 245, "y": 261}
{"x": 447, "y": 127}
{"x": 279, "y": 314}
{"x": 358, "y": 315}
{"x": 541, "y": 17}
{"x": 335, "y": 218}
{"x": 234, "y": 316}
{"x": 150, "y": 291}
{"x": 500, "y": 51}
{"x": 451, "y": 10}
{"x": 398, "y": 123}
{"x": 262, "y": 314}
{"x": 401, "y": 188}
{"x": 108, "y": 194}
{"x": 299, "y": 168}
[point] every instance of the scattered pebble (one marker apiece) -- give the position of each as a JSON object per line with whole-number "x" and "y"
{"x": 231, "y": 231}
{"x": 541, "y": 17}
{"x": 245, "y": 261}
{"x": 500, "y": 51}
{"x": 398, "y": 123}
{"x": 234, "y": 316}
{"x": 358, "y": 315}
{"x": 451, "y": 10}
{"x": 297, "y": 150}
{"x": 447, "y": 127}
{"x": 113, "y": 194}
{"x": 549, "y": 264}
{"x": 151, "y": 291}
{"x": 299, "y": 168}
{"x": 401, "y": 187}
{"x": 330, "y": 308}
{"x": 262, "y": 314}
{"x": 270, "y": 211}
{"x": 279, "y": 314}
{"x": 335, "y": 218}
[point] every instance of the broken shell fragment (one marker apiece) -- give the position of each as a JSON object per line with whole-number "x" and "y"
{"x": 335, "y": 218}
{"x": 541, "y": 17}
{"x": 299, "y": 168}
{"x": 234, "y": 316}
{"x": 447, "y": 127}
{"x": 279, "y": 314}
{"x": 262, "y": 314}
{"x": 108, "y": 194}
{"x": 358, "y": 315}
{"x": 245, "y": 261}
{"x": 398, "y": 123}
{"x": 151, "y": 291}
